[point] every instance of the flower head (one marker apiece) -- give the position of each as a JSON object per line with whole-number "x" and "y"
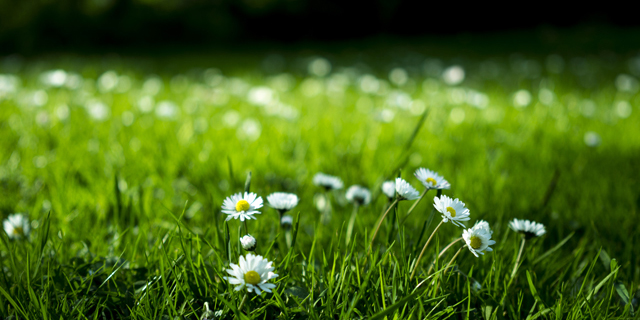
{"x": 389, "y": 189}
{"x": 358, "y": 194}
{"x": 242, "y": 206}
{"x": 431, "y": 179}
{"x": 478, "y": 239}
{"x": 248, "y": 242}
{"x": 451, "y": 209}
{"x": 17, "y": 226}
{"x": 328, "y": 182}
{"x": 405, "y": 191}
{"x": 252, "y": 273}
{"x": 282, "y": 201}
{"x": 528, "y": 228}
{"x": 483, "y": 224}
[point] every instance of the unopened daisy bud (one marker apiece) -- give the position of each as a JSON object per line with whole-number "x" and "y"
{"x": 389, "y": 189}
{"x": 478, "y": 239}
{"x": 527, "y": 228}
{"x": 451, "y": 209}
{"x": 431, "y": 179}
{"x": 207, "y": 314}
{"x": 286, "y": 221}
{"x": 327, "y": 181}
{"x": 405, "y": 191}
{"x": 17, "y": 226}
{"x": 248, "y": 242}
{"x": 359, "y": 195}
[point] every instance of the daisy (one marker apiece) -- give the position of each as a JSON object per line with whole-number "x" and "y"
{"x": 252, "y": 273}
{"x": 451, "y": 209}
{"x": 528, "y": 228}
{"x": 478, "y": 239}
{"x": 389, "y": 189}
{"x": 405, "y": 191}
{"x": 358, "y": 194}
{"x": 328, "y": 182}
{"x": 282, "y": 201}
{"x": 431, "y": 179}
{"x": 248, "y": 242}
{"x": 242, "y": 207}
{"x": 17, "y": 226}
{"x": 483, "y": 224}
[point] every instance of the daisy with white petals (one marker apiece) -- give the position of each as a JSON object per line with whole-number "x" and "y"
{"x": 282, "y": 201}
{"x": 358, "y": 195}
{"x": 252, "y": 273}
{"x": 478, "y": 239}
{"x": 242, "y": 206}
{"x": 528, "y": 228}
{"x": 389, "y": 189}
{"x": 405, "y": 191}
{"x": 431, "y": 179}
{"x": 17, "y": 226}
{"x": 327, "y": 181}
{"x": 451, "y": 209}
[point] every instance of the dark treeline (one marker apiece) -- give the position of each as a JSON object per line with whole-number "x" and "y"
{"x": 31, "y": 26}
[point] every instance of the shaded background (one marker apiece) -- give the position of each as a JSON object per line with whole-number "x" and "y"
{"x": 30, "y": 27}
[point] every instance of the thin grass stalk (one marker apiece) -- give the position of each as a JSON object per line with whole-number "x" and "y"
{"x": 444, "y": 271}
{"x": 515, "y": 267}
{"x": 415, "y": 267}
{"x": 442, "y": 253}
{"x": 352, "y": 222}
{"x": 375, "y": 232}
{"x": 415, "y": 204}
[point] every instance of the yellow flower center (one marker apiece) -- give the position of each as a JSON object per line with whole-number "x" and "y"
{"x": 18, "y": 231}
{"x": 452, "y": 211}
{"x": 475, "y": 242}
{"x": 432, "y": 181}
{"x": 252, "y": 277}
{"x": 242, "y": 205}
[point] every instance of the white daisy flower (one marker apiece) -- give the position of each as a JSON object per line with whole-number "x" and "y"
{"x": 282, "y": 201}
{"x": 328, "y": 182}
{"x": 478, "y": 239}
{"x": 405, "y": 191}
{"x": 17, "y": 226}
{"x": 431, "y": 179}
{"x": 242, "y": 207}
{"x": 389, "y": 189}
{"x": 358, "y": 194}
{"x": 451, "y": 209}
{"x": 529, "y": 228}
{"x": 248, "y": 242}
{"x": 483, "y": 224}
{"x": 286, "y": 220}
{"x": 252, "y": 273}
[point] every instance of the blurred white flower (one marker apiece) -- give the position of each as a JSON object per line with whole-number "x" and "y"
{"x": 358, "y": 194}
{"x": 17, "y": 226}
{"x": 528, "y": 228}
{"x": 282, "y": 201}
{"x": 405, "y": 191}
{"x": 431, "y": 179}
{"x": 327, "y": 181}
{"x": 389, "y": 189}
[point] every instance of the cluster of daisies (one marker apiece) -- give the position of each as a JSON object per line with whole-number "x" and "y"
{"x": 253, "y": 272}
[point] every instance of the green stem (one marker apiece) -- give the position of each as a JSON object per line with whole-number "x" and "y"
{"x": 375, "y": 232}
{"x": 352, "y": 222}
{"x": 244, "y": 299}
{"x": 515, "y": 267}
{"x": 415, "y": 204}
{"x": 444, "y": 271}
{"x": 415, "y": 267}
{"x": 442, "y": 253}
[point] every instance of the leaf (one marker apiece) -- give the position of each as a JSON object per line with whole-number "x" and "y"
{"x": 606, "y": 260}
{"x": 554, "y": 249}
{"x": 393, "y": 307}
{"x": 624, "y": 295}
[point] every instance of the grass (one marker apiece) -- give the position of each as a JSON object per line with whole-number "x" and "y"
{"x": 124, "y": 190}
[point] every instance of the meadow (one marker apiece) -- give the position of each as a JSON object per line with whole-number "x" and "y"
{"x": 121, "y": 166}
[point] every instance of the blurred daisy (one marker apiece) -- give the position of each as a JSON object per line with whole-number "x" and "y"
{"x": 243, "y": 207}
{"x": 328, "y": 182}
{"x": 483, "y": 224}
{"x": 252, "y": 273}
{"x": 528, "y": 228}
{"x": 282, "y": 201}
{"x": 431, "y": 179}
{"x": 286, "y": 220}
{"x": 358, "y": 194}
{"x": 248, "y": 242}
{"x": 478, "y": 239}
{"x": 405, "y": 191}
{"x": 389, "y": 189}
{"x": 451, "y": 209}
{"x": 17, "y": 226}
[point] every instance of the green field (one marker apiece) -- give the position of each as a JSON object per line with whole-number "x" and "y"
{"x": 122, "y": 165}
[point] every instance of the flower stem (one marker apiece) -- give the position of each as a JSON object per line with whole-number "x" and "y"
{"x": 244, "y": 299}
{"x": 415, "y": 267}
{"x": 352, "y": 222}
{"x": 442, "y": 253}
{"x": 375, "y": 232}
{"x": 515, "y": 267}
{"x": 415, "y": 204}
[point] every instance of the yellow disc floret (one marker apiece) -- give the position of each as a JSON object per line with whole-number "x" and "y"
{"x": 452, "y": 211}
{"x": 18, "y": 231}
{"x": 252, "y": 277}
{"x": 242, "y": 205}
{"x": 432, "y": 181}
{"x": 474, "y": 242}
